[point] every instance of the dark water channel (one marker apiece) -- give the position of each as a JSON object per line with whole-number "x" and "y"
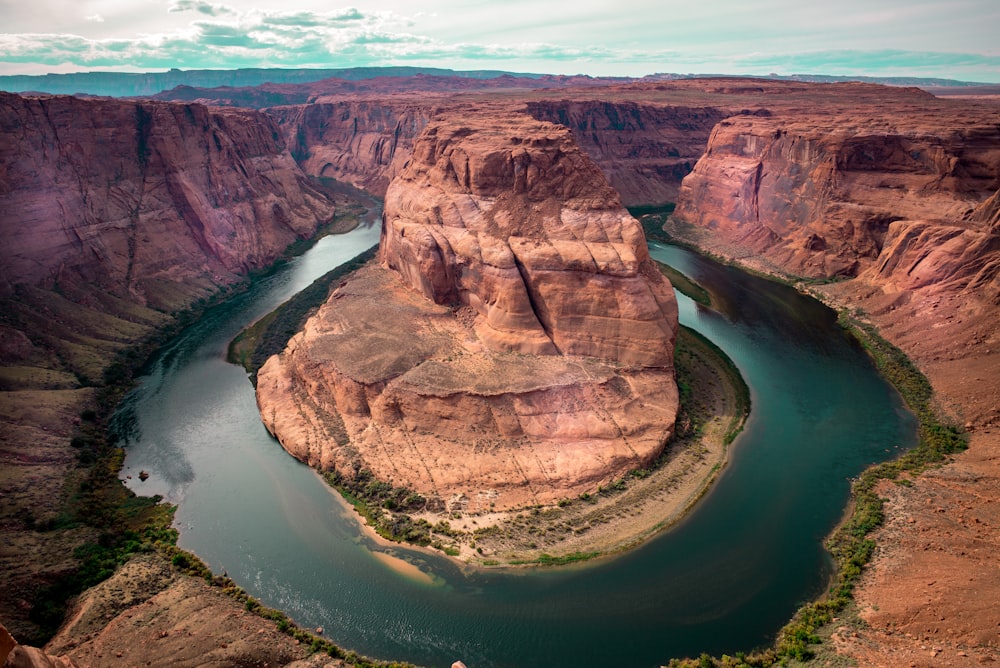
{"x": 723, "y": 580}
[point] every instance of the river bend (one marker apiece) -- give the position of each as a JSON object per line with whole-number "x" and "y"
{"x": 725, "y": 579}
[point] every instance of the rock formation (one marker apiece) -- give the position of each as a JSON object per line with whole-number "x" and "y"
{"x": 14, "y": 655}
{"x": 131, "y": 196}
{"x": 899, "y": 201}
{"x": 644, "y": 150}
{"x": 363, "y": 142}
{"x": 830, "y": 194}
{"x": 113, "y": 215}
{"x": 515, "y": 347}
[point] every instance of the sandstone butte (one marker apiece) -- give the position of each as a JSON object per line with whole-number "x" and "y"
{"x": 888, "y": 192}
{"x": 514, "y": 345}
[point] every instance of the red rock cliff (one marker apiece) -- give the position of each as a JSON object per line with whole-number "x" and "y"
{"x": 517, "y": 350}
{"x": 516, "y": 222}
{"x": 133, "y": 196}
{"x": 841, "y": 195}
{"x": 644, "y": 150}
{"x": 112, "y": 215}
{"x": 363, "y": 142}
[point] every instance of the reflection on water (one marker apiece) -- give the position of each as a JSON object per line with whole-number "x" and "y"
{"x": 723, "y": 580}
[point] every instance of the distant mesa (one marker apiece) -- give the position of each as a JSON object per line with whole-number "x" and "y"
{"x": 514, "y": 344}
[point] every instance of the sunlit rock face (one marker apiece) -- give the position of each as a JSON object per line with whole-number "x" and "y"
{"x": 514, "y": 344}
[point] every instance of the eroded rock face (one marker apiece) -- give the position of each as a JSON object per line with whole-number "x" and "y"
{"x": 514, "y": 221}
{"x": 113, "y": 215}
{"x": 131, "y": 196}
{"x": 363, "y": 142}
{"x": 901, "y": 199}
{"x": 515, "y": 347}
{"x": 644, "y": 150}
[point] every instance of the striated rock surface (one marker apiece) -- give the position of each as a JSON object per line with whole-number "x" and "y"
{"x": 128, "y": 196}
{"x": 832, "y": 194}
{"x": 644, "y": 150}
{"x": 363, "y": 142}
{"x": 515, "y": 347}
{"x": 113, "y": 215}
{"x": 902, "y": 202}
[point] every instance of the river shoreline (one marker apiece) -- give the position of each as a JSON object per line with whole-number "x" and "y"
{"x": 544, "y": 550}
{"x": 626, "y": 513}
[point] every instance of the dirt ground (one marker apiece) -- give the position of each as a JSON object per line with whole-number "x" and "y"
{"x": 931, "y": 595}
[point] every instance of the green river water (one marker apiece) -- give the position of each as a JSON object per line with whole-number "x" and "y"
{"x": 723, "y": 580}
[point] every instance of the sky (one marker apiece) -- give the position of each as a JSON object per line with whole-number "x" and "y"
{"x": 955, "y": 39}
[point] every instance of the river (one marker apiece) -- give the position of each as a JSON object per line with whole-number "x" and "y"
{"x": 723, "y": 580}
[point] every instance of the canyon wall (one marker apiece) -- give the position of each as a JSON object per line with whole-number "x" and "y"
{"x": 130, "y": 196}
{"x": 644, "y": 150}
{"x": 364, "y": 142}
{"x": 515, "y": 345}
{"x": 894, "y": 208}
{"x": 897, "y": 198}
{"x": 113, "y": 215}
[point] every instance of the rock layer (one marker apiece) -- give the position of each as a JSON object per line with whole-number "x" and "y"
{"x": 113, "y": 215}
{"x": 644, "y": 150}
{"x": 516, "y": 346}
{"x": 363, "y": 142}
{"x": 131, "y": 196}
{"x": 902, "y": 202}
{"x": 827, "y": 195}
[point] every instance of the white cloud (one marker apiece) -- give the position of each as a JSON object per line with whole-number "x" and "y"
{"x": 638, "y": 37}
{"x": 207, "y": 8}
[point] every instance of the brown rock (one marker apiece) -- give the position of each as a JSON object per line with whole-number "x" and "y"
{"x": 145, "y": 615}
{"x": 828, "y": 194}
{"x": 13, "y": 655}
{"x": 520, "y": 350}
{"x": 515, "y": 222}
{"x": 128, "y": 196}
{"x": 907, "y": 203}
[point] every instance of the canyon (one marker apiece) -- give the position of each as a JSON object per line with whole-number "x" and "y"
{"x": 881, "y": 200}
{"x": 117, "y": 216}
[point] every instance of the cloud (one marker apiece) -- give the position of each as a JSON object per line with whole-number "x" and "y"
{"x": 217, "y": 35}
{"x": 96, "y": 18}
{"x": 201, "y": 7}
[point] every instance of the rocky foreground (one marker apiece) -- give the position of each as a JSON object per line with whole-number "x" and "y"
{"x": 513, "y": 347}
